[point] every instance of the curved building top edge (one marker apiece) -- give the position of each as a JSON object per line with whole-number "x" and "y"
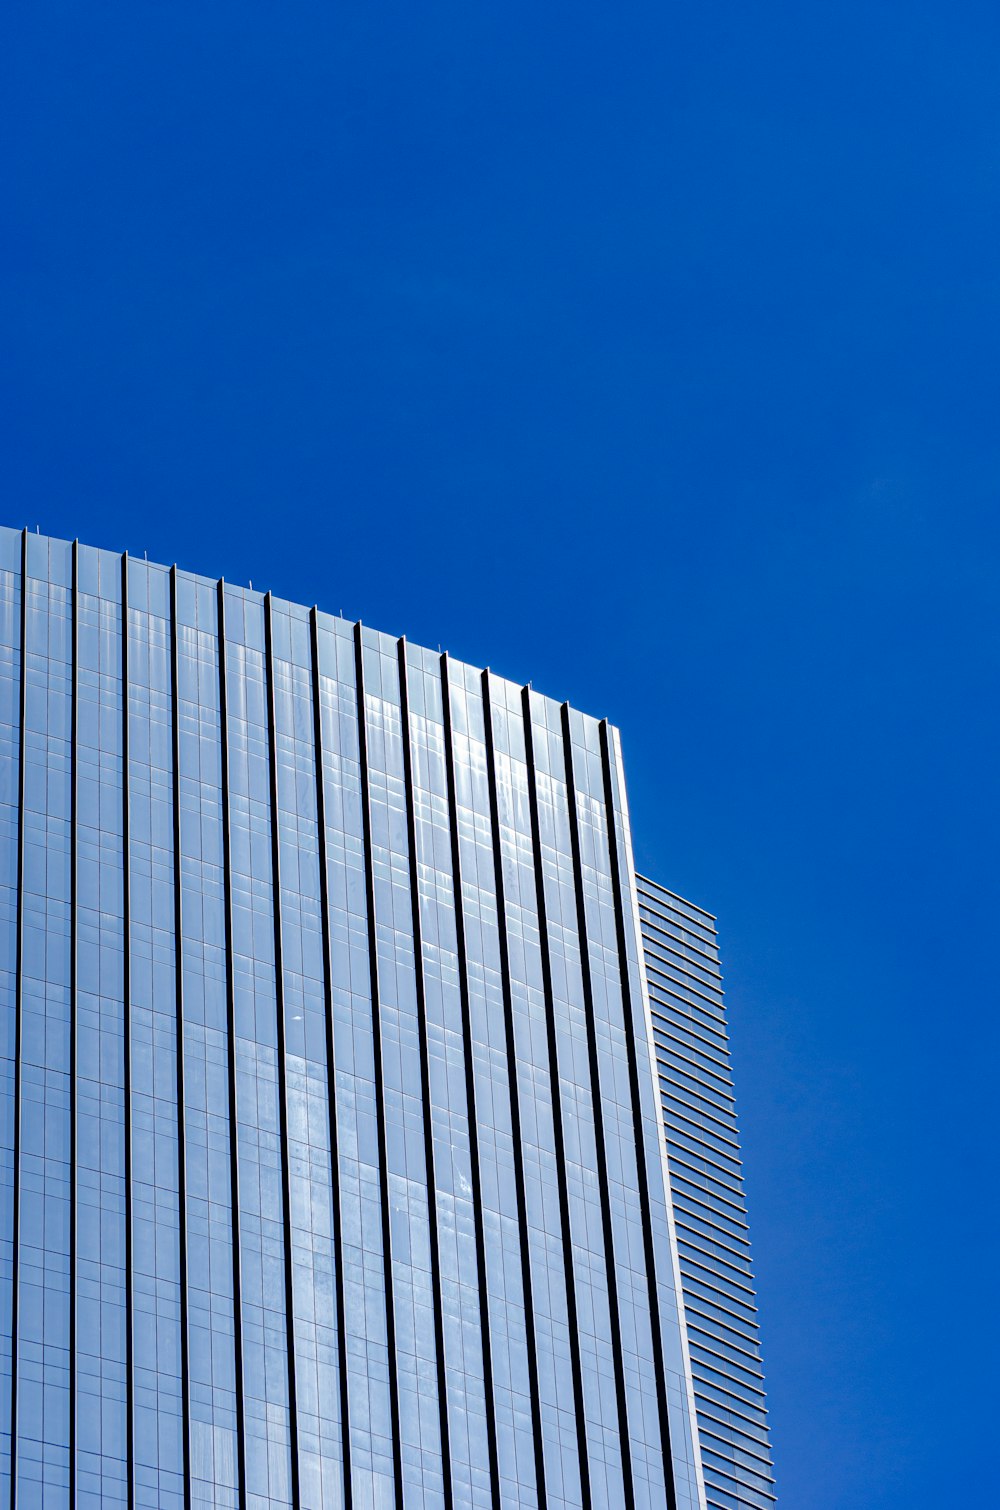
{"x": 10, "y": 556}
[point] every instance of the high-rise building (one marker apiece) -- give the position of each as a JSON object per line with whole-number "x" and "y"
{"x": 335, "y": 1106}
{"x": 706, "y": 1191}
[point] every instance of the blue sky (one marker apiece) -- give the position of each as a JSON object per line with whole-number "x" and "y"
{"x": 648, "y": 352}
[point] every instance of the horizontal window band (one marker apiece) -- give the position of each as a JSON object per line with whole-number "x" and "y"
{"x": 678, "y": 1058}
{"x": 656, "y": 889}
{"x": 724, "y": 1397}
{"x": 699, "y": 1095}
{"x": 745, "y": 1475}
{"x": 699, "y": 1312}
{"x": 679, "y": 955}
{"x": 672, "y": 999}
{"x": 727, "y": 1472}
{"x": 716, "y": 1370}
{"x": 698, "y": 1291}
{"x": 690, "y": 1251}
{"x": 729, "y": 1427}
{"x": 680, "y": 1108}
{"x": 751, "y": 1366}
{"x": 680, "y": 930}
{"x": 739, "y": 1325}
{"x": 753, "y": 1451}
{"x": 661, "y": 956}
{"x": 668, "y": 972}
{"x": 688, "y": 1182}
{"x": 749, "y": 1499}
{"x": 700, "y": 1192}
{"x": 699, "y": 1217}
{"x": 669, "y": 913}
{"x": 750, "y": 1418}
{"x": 751, "y": 1373}
{"x": 675, "y": 959}
{"x": 705, "y": 945}
{"x": 682, "y": 1124}
{"x": 713, "y": 1042}
{"x": 667, "y": 905}
{"x": 692, "y": 1155}
{"x": 739, "y": 1237}
{"x": 689, "y": 1241}
{"x": 697, "y": 1111}
{"x": 746, "y": 1347}
{"x": 706, "y": 1049}
{"x": 707, "y": 1082}
{"x": 697, "y": 1280}
{"x": 716, "y": 1388}
{"x": 688, "y": 1016}
{"x": 725, "y": 1172}
{"x": 692, "y": 1301}
{"x": 670, "y": 1041}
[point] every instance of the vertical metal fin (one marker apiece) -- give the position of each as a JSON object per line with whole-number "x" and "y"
{"x": 182, "y": 1252}
{"x": 74, "y": 810}
{"x": 127, "y": 1047}
{"x": 18, "y": 1013}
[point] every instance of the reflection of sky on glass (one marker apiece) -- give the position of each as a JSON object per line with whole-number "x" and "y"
{"x": 648, "y": 355}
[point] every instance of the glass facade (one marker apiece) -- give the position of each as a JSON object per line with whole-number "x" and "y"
{"x": 709, "y": 1208}
{"x": 332, "y": 1169}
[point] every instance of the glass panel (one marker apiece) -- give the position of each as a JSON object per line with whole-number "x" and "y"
{"x": 499, "y": 1158}
{"x": 45, "y": 1174}
{"x": 261, "y": 1216}
{"x": 211, "y": 1329}
{"x": 10, "y": 736}
{"x": 156, "y": 1281}
{"x": 580, "y": 1142}
{"x": 357, "y": 1137}
{"x": 557, "y": 1395}
{"x": 448, "y": 1099}
{"x": 101, "y": 1099}
{"x": 416, "y": 1352}
{"x": 314, "y": 1278}
{"x": 484, "y": 1104}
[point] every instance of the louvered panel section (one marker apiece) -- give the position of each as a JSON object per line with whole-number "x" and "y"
{"x": 713, "y": 1237}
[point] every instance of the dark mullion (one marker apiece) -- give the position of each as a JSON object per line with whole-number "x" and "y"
{"x": 331, "y": 1069}
{"x": 18, "y": 1013}
{"x": 366, "y": 826}
{"x": 179, "y": 1006}
{"x": 595, "y": 1097}
{"x": 425, "y": 1079}
{"x": 279, "y": 992}
{"x": 560, "y": 1149}
{"x": 234, "y": 1167}
{"x": 74, "y": 810}
{"x": 515, "y": 1100}
{"x": 628, "y": 1007}
{"x": 127, "y": 1051}
{"x": 470, "y": 1088}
